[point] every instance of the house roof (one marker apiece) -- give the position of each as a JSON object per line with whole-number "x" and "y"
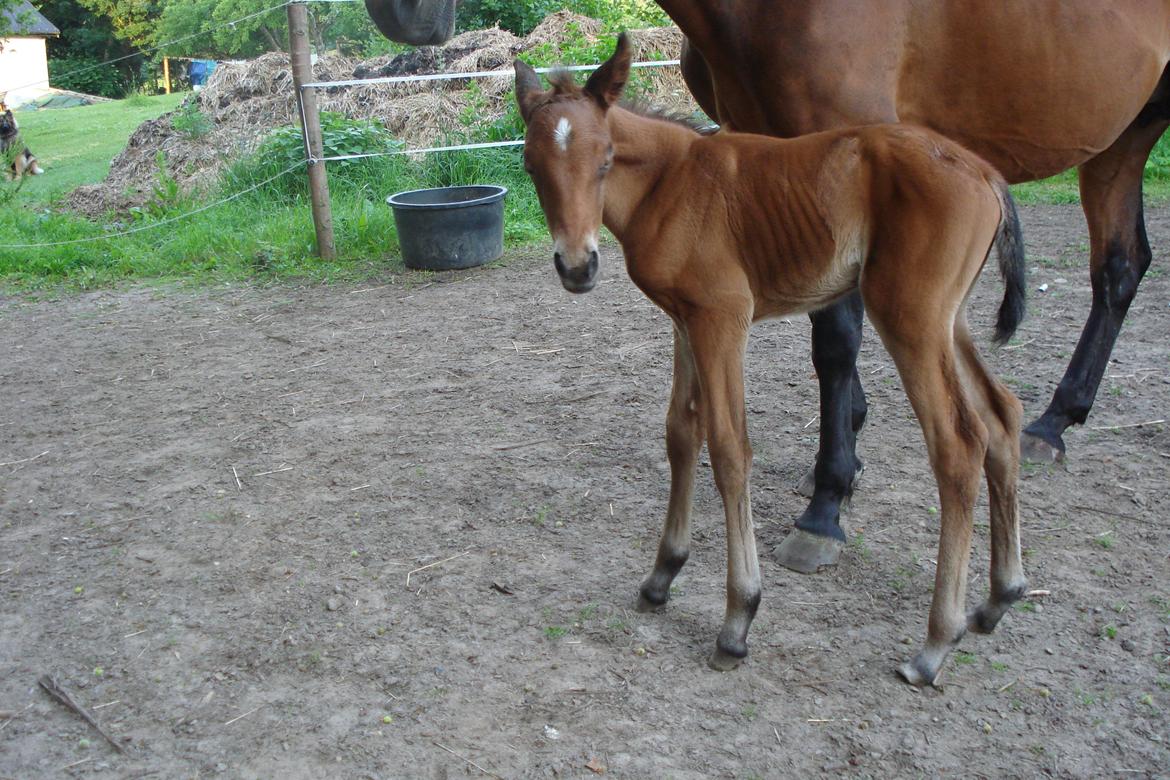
{"x": 24, "y": 20}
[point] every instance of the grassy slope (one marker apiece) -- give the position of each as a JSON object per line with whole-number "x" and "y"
{"x": 75, "y": 145}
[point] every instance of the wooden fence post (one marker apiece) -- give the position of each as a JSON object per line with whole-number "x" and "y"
{"x": 302, "y": 70}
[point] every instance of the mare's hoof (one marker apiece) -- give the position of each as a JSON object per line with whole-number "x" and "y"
{"x": 919, "y": 672}
{"x": 649, "y": 605}
{"x": 1037, "y": 450}
{"x": 807, "y": 552}
{"x": 808, "y": 483}
{"x": 723, "y": 661}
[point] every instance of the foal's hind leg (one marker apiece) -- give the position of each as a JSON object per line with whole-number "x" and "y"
{"x": 684, "y": 437}
{"x": 956, "y": 440}
{"x": 1001, "y": 412}
{"x": 1119, "y": 254}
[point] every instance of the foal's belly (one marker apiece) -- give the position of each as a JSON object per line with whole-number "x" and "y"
{"x": 792, "y": 286}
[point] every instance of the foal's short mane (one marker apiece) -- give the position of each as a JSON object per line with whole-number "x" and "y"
{"x": 696, "y": 124}
{"x": 565, "y": 87}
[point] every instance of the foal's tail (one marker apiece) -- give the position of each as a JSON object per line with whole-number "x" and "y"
{"x": 1009, "y": 245}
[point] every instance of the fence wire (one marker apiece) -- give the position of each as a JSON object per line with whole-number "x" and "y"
{"x": 309, "y": 158}
{"x": 161, "y": 222}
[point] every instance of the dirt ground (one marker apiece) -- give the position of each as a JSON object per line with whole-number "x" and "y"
{"x": 397, "y": 530}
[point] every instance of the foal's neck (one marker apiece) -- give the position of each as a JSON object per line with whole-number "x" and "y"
{"x": 644, "y": 150}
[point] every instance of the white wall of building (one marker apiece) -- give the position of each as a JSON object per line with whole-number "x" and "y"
{"x": 24, "y": 68}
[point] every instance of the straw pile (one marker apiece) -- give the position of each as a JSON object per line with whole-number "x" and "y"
{"x": 244, "y": 101}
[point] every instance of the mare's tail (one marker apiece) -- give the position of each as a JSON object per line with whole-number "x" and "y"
{"x": 1009, "y": 245}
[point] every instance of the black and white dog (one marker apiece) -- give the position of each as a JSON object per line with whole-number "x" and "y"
{"x": 18, "y": 160}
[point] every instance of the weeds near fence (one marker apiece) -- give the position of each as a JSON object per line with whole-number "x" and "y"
{"x": 268, "y": 233}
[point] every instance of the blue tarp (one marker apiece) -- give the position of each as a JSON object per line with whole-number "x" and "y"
{"x": 199, "y": 71}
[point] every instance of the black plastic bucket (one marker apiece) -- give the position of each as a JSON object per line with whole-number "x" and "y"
{"x": 450, "y": 227}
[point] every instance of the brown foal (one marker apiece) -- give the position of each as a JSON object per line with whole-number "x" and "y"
{"x": 720, "y": 231}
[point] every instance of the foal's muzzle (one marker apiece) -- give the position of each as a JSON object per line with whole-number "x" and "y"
{"x": 581, "y": 277}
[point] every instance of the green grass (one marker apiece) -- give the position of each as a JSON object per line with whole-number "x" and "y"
{"x": 964, "y": 659}
{"x": 268, "y": 234}
{"x": 77, "y": 144}
{"x": 1063, "y": 187}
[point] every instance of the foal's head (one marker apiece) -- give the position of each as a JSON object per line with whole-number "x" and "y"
{"x": 568, "y": 152}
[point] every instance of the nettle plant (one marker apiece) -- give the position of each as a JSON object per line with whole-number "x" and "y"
{"x": 190, "y": 121}
{"x": 340, "y": 137}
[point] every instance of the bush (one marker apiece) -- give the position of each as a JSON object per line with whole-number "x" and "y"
{"x": 190, "y": 121}
{"x": 84, "y": 74}
{"x": 284, "y": 148}
{"x": 520, "y": 18}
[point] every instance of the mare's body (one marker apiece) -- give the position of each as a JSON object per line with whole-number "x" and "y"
{"x": 1034, "y": 87}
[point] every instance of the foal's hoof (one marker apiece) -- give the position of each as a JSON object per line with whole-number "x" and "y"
{"x": 724, "y": 661}
{"x": 918, "y": 674}
{"x": 808, "y": 483}
{"x": 924, "y": 669}
{"x": 1037, "y": 450}
{"x": 807, "y": 552}
{"x": 984, "y": 618}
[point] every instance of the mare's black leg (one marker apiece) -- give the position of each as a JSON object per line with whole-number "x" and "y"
{"x": 836, "y": 338}
{"x": 1111, "y": 194}
{"x": 697, "y": 76}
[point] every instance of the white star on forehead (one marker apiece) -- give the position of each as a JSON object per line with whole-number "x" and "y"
{"x": 562, "y": 132}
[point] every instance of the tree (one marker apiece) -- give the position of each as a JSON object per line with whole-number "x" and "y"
{"x": 84, "y": 34}
{"x": 521, "y": 17}
{"x": 197, "y": 26}
{"x": 201, "y": 28}
{"x": 133, "y": 21}
{"x": 87, "y": 40}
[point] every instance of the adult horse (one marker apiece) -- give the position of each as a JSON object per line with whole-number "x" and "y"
{"x": 1035, "y": 88}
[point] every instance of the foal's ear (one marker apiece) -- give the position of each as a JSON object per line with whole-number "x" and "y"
{"x": 528, "y": 91}
{"x": 608, "y": 81}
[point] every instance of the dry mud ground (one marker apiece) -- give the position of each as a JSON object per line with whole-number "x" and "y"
{"x": 218, "y": 506}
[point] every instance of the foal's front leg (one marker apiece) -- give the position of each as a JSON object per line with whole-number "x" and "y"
{"x": 718, "y": 342}
{"x": 684, "y": 437}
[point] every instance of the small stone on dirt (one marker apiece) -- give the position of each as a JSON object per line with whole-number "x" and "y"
{"x": 333, "y": 604}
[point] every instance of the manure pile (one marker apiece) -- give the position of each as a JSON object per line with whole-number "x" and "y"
{"x": 244, "y": 101}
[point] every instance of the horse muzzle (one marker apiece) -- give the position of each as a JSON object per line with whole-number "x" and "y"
{"x": 580, "y": 277}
